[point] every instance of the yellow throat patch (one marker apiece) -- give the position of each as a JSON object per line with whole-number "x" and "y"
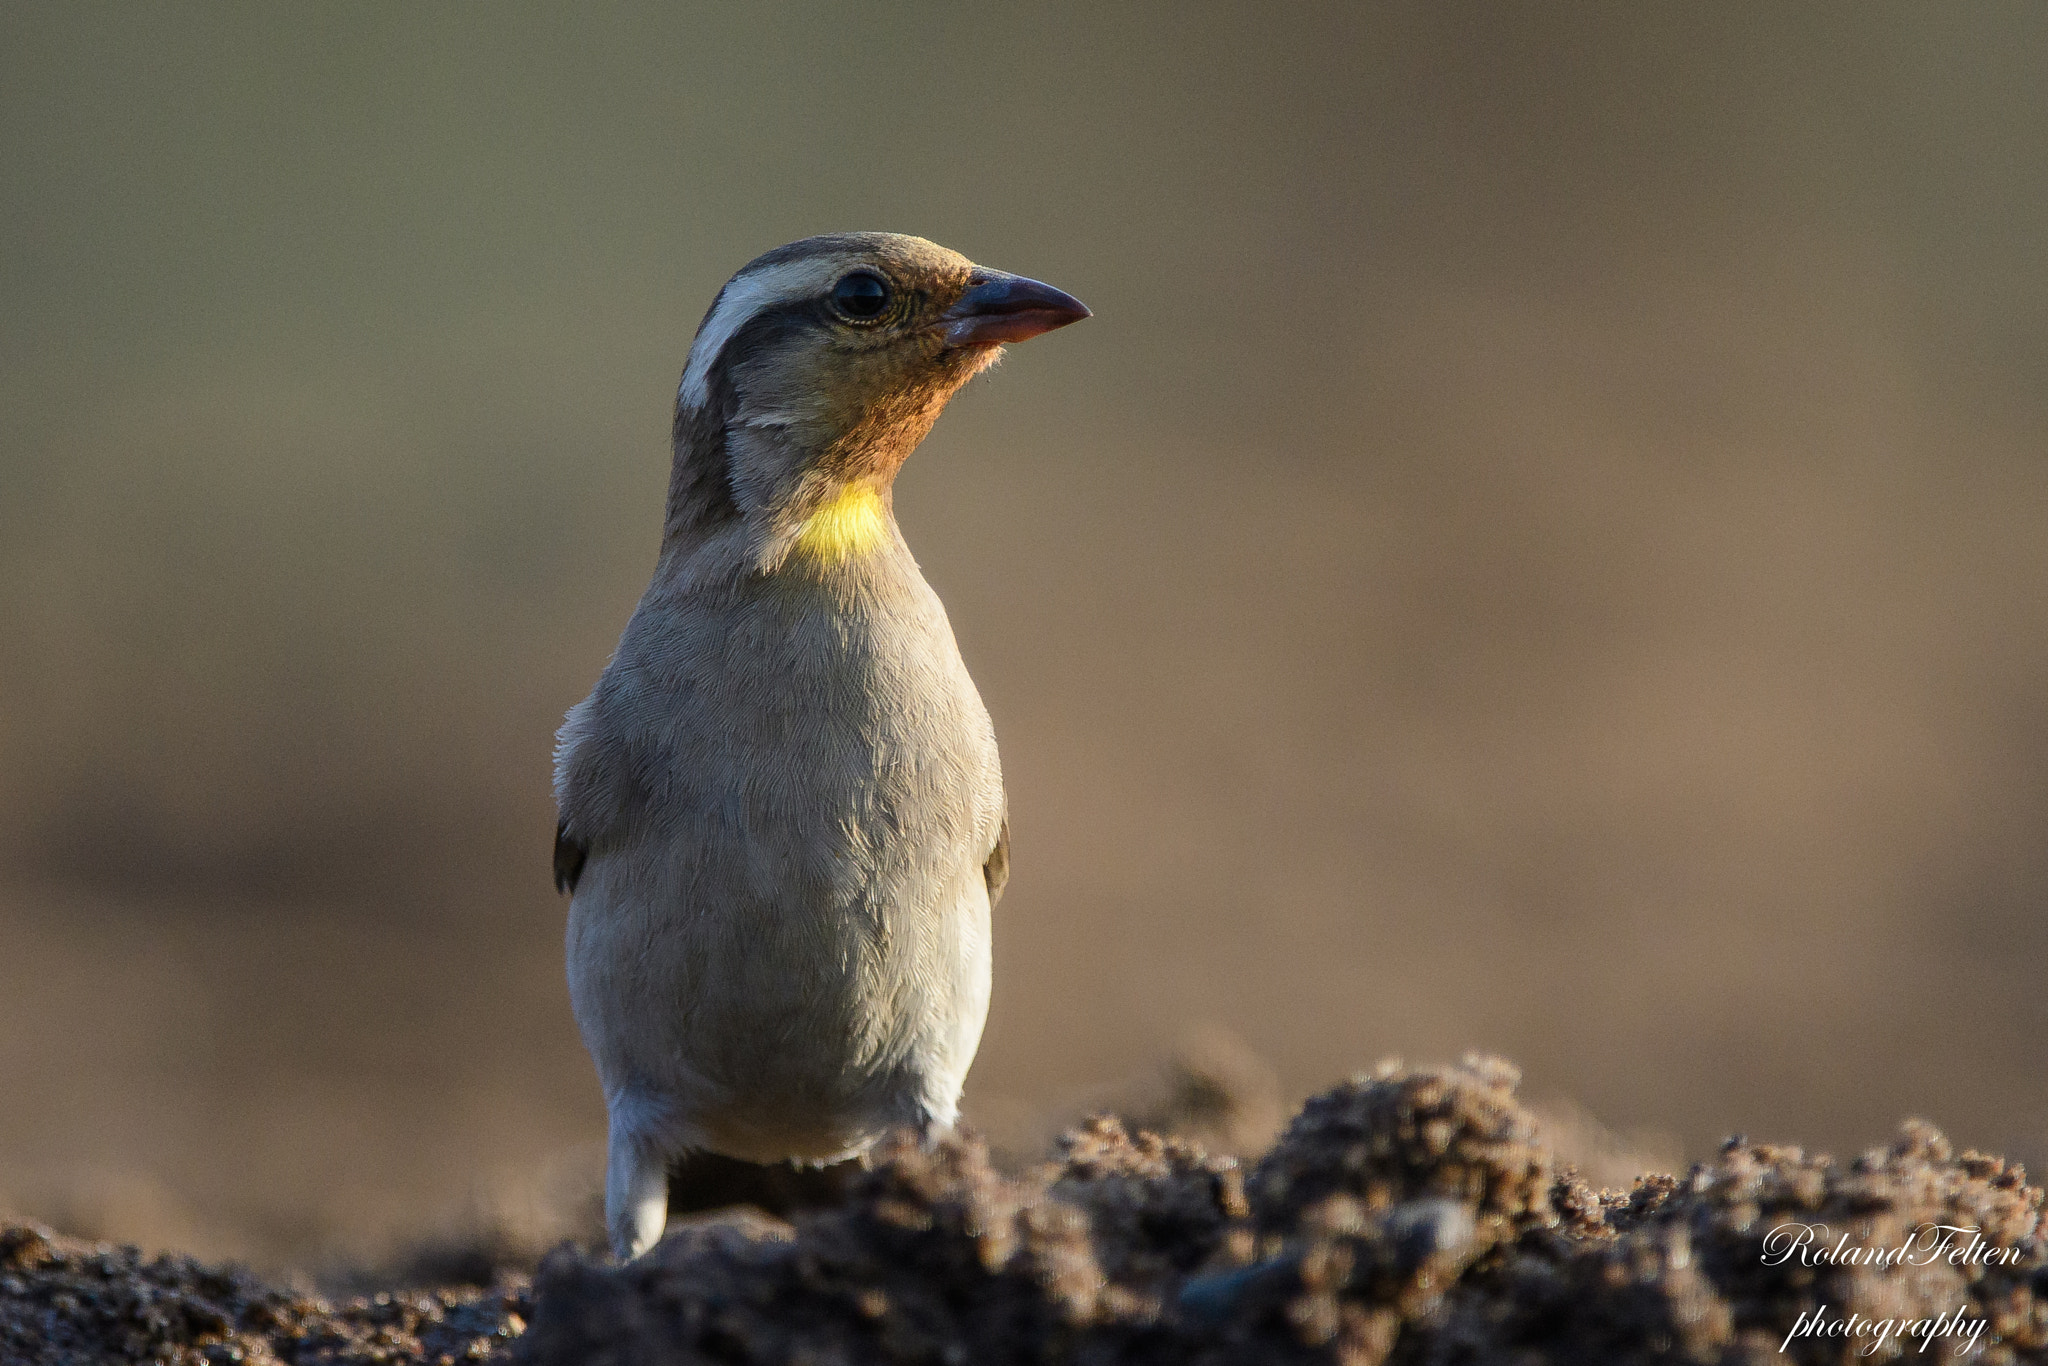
{"x": 851, "y": 522}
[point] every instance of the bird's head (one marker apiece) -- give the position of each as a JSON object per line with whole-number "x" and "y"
{"x": 819, "y": 368}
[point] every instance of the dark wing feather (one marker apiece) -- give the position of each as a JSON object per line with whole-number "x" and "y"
{"x": 570, "y": 854}
{"x": 997, "y": 870}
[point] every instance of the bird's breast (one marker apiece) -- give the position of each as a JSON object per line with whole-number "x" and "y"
{"x": 791, "y": 908}
{"x": 818, "y": 732}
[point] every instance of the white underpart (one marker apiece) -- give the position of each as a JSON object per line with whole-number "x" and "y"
{"x": 738, "y": 304}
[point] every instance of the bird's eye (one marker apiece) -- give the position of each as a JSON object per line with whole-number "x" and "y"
{"x": 861, "y": 297}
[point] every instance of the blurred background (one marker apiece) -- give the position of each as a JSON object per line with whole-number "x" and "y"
{"x": 1543, "y": 547}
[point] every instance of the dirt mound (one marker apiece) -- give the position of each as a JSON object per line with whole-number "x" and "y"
{"x": 75, "y": 1303}
{"x": 1412, "y": 1216}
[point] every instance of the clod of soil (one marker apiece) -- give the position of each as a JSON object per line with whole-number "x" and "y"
{"x": 1410, "y": 1216}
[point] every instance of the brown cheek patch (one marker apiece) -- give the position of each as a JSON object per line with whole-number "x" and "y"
{"x": 914, "y": 377}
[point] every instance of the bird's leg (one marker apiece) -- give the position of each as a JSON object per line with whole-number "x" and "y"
{"x": 635, "y": 1186}
{"x": 933, "y": 1119}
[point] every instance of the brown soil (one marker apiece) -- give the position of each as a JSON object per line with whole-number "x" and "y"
{"x": 64, "y": 1301}
{"x": 1409, "y": 1216}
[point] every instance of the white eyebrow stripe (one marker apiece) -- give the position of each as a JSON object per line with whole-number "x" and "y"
{"x": 739, "y": 302}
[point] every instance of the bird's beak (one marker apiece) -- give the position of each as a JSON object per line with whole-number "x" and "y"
{"x": 1008, "y": 308}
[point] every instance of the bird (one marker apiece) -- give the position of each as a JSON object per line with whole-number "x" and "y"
{"x": 782, "y": 824}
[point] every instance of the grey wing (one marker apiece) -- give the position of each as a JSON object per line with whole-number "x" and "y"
{"x": 570, "y": 854}
{"x": 593, "y": 784}
{"x": 996, "y": 871}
